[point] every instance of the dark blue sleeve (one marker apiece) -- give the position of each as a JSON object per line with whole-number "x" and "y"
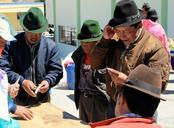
{"x": 6, "y": 64}
{"x": 54, "y": 67}
{"x": 11, "y": 105}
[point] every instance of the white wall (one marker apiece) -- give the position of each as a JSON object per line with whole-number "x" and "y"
{"x": 155, "y": 4}
{"x": 96, "y": 9}
{"x": 99, "y": 10}
{"x": 66, "y": 12}
{"x": 65, "y": 16}
{"x": 49, "y": 11}
{"x": 170, "y": 18}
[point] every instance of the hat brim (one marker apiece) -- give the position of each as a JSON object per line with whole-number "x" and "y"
{"x": 144, "y": 91}
{"x": 40, "y": 30}
{"x": 7, "y": 36}
{"x": 91, "y": 39}
{"x": 153, "y": 16}
{"x": 118, "y": 22}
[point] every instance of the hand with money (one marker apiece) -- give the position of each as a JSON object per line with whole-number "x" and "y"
{"x": 14, "y": 88}
{"x": 43, "y": 87}
{"x": 117, "y": 77}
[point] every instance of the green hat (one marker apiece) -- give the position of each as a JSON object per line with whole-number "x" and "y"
{"x": 90, "y": 31}
{"x": 34, "y": 21}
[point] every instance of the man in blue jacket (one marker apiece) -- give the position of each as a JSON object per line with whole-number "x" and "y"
{"x": 34, "y": 58}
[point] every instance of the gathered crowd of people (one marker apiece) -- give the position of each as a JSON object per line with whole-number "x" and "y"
{"x": 120, "y": 70}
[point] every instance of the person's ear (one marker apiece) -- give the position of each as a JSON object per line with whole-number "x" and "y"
{"x": 140, "y": 25}
{"x": 122, "y": 100}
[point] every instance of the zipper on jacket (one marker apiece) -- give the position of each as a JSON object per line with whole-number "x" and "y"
{"x": 33, "y": 64}
{"x": 122, "y": 58}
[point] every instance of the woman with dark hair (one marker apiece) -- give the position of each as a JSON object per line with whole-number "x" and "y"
{"x": 145, "y": 8}
{"x": 151, "y": 24}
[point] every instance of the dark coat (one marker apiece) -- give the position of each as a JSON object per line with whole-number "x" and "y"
{"x": 16, "y": 60}
{"x": 77, "y": 56}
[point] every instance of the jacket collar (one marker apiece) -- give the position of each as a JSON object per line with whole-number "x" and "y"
{"x": 138, "y": 39}
{"x": 77, "y": 54}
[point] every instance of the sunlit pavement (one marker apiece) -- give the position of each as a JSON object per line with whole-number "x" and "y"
{"x": 64, "y": 99}
{"x": 166, "y": 108}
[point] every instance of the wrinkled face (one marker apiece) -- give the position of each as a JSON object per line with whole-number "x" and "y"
{"x": 87, "y": 46}
{"x": 2, "y": 42}
{"x": 33, "y": 38}
{"x": 127, "y": 34}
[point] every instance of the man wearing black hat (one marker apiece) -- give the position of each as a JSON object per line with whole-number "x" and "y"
{"x": 90, "y": 101}
{"x": 34, "y": 58}
{"x": 137, "y": 100}
{"x": 135, "y": 46}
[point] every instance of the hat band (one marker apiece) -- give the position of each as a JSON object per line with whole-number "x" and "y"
{"x": 144, "y": 86}
{"x": 87, "y": 36}
{"x": 31, "y": 25}
{"x": 130, "y": 19}
{"x": 134, "y": 17}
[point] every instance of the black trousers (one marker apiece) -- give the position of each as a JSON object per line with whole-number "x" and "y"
{"x": 94, "y": 107}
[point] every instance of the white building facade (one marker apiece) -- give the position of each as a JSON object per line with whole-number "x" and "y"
{"x": 72, "y": 14}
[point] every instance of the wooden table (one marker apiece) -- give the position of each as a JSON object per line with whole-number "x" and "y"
{"x": 49, "y": 116}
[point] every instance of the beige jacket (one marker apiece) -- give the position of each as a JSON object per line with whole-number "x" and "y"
{"x": 147, "y": 50}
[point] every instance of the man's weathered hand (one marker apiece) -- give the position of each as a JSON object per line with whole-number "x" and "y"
{"x": 13, "y": 89}
{"x": 117, "y": 77}
{"x": 24, "y": 112}
{"x": 108, "y": 32}
{"x": 29, "y": 86}
{"x": 44, "y": 86}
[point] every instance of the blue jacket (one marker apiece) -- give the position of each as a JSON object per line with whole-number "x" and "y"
{"x": 17, "y": 59}
{"x": 11, "y": 105}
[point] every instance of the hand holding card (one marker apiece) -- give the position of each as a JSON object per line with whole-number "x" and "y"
{"x": 37, "y": 89}
{"x": 117, "y": 77}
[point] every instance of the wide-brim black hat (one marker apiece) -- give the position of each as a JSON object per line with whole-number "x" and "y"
{"x": 126, "y": 13}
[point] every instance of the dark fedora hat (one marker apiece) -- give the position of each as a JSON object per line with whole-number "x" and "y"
{"x": 126, "y": 13}
{"x": 152, "y": 14}
{"x": 34, "y": 21}
{"x": 146, "y": 80}
{"x": 90, "y": 31}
